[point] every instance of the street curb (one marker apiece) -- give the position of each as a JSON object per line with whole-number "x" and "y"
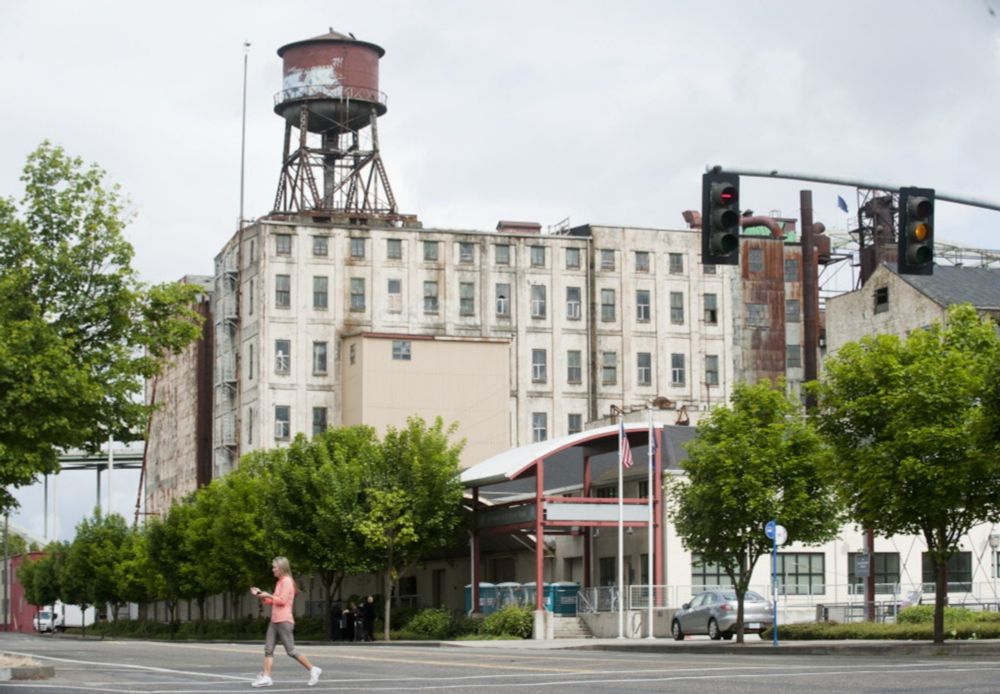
{"x": 27, "y": 672}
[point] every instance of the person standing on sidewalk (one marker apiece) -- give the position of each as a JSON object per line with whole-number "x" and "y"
{"x": 282, "y": 623}
{"x": 368, "y": 618}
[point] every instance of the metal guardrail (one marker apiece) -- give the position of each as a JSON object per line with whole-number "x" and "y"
{"x": 330, "y": 91}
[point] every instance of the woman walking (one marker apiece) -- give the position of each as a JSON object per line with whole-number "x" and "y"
{"x": 282, "y": 623}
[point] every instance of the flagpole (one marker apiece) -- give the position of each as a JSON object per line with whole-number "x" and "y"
{"x": 649, "y": 539}
{"x": 621, "y": 533}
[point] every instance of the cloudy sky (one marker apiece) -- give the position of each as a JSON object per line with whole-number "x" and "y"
{"x": 595, "y": 111}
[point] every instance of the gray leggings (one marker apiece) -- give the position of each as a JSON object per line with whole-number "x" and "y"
{"x": 280, "y": 631}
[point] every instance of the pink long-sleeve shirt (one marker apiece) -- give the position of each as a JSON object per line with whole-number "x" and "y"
{"x": 281, "y": 601}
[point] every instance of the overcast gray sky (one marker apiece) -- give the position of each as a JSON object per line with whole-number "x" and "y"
{"x": 597, "y": 111}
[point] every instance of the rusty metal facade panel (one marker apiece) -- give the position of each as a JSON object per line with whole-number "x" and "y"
{"x": 763, "y": 325}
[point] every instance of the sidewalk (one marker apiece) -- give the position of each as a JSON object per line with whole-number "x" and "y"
{"x": 753, "y": 646}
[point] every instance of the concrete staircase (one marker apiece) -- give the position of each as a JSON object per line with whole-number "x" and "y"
{"x": 570, "y": 628}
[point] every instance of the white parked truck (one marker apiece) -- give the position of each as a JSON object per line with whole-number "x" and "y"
{"x": 59, "y": 616}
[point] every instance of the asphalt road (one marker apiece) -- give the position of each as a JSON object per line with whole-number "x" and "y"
{"x": 218, "y": 668}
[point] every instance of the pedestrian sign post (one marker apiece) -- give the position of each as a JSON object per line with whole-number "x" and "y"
{"x": 778, "y": 536}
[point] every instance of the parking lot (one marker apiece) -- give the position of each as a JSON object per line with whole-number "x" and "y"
{"x": 138, "y": 666}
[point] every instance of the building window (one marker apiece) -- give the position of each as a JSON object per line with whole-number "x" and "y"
{"x": 802, "y": 573}
{"x": 250, "y": 426}
{"x": 538, "y": 301}
{"x": 357, "y": 248}
{"x": 677, "y": 308}
{"x": 712, "y": 369}
{"x": 573, "y": 303}
{"x": 353, "y": 352}
{"x": 253, "y": 251}
{"x": 282, "y": 356}
{"x": 401, "y": 350}
{"x": 466, "y": 299}
{"x": 574, "y": 366}
{"x": 884, "y": 566}
{"x": 574, "y": 423}
{"x": 321, "y": 246}
{"x": 959, "y": 573}
{"x": 707, "y": 575}
{"x": 538, "y": 256}
{"x": 607, "y": 305}
{"x": 711, "y": 309}
{"x": 250, "y": 298}
{"x": 466, "y": 253}
{"x": 539, "y": 426}
{"x": 283, "y": 244}
{"x": 357, "y": 293}
{"x": 395, "y": 293}
{"x": 755, "y": 260}
{"x": 676, "y": 263}
{"x": 758, "y": 315}
{"x": 430, "y": 251}
{"x": 708, "y": 269}
{"x": 319, "y": 357}
{"x": 792, "y": 311}
{"x": 501, "y": 254}
{"x": 791, "y": 270}
{"x": 642, "y": 261}
{"x": 644, "y": 361}
{"x": 250, "y": 362}
{"x": 503, "y": 299}
{"x": 794, "y": 355}
{"x": 430, "y": 297}
{"x": 642, "y": 305}
{"x": 283, "y": 291}
{"x": 320, "y": 295}
{"x": 539, "y": 369}
{"x": 394, "y": 249}
{"x": 282, "y": 421}
{"x": 608, "y": 570}
{"x": 678, "y": 373}
{"x": 605, "y": 493}
{"x": 607, "y": 259}
{"x": 881, "y": 299}
{"x": 609, "y": 368}
{"x": 572, "y": 258}
{"x": 319, "y": 420}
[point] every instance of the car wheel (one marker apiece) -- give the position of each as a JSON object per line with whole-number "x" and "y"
{"x": 675, "y": 631}
{"x": 713, "y": 630}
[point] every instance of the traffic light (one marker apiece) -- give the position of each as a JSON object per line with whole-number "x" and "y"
{"x": 915, "y": 247}
{"x": 720, "y": 218}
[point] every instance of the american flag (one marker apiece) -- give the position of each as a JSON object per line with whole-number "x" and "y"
{"x": 626, "y": 451}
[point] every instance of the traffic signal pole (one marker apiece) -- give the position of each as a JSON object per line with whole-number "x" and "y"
{"x": 813, "y": 178}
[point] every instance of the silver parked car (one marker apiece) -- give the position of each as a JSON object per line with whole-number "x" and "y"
{"x": 714, "y": 613}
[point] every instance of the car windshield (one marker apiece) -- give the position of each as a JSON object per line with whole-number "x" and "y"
{"x": 44, "y": 615}
{"x": 750, "y": 596}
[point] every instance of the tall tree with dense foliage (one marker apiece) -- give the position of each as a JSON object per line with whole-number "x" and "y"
{"x": 40, "y": 577}
{"x": 89, "y": 573}
{"x": 166, "y": 554}
{"x": 412, "y": 501}
{"x": 910, "y": 420}
{"x": 755, "y": 460}
{"x": 312, "y": 488}
{"x": 78, "y": 331}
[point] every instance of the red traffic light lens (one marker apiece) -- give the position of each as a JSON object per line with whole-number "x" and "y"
{"x": 727, "y": 195}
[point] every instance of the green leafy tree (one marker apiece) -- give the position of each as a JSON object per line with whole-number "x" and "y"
{"x": 88, "y": 575}
{"x": 411, "y": 505}
{"x": 755, "y": 460}
{"x": 40, "y": 577}
{"x": 910, "y": 420}
{"x": 312, "y": 488}
{"x": 78, "y": 331}
{"x": 133, "y": 574}
{"x": 165, "y": 552}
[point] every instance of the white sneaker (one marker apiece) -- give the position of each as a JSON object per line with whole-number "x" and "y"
{"x": 314, "y": 675}
{"x": 262, "y": 681}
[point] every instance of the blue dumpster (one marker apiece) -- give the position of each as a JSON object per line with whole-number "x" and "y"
{"x": 509, "y": 593}
{"x": 564, "y": 597}
{"x": 487, "y": 598}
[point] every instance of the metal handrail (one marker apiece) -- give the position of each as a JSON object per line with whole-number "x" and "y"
{"x": 330, "y": 91}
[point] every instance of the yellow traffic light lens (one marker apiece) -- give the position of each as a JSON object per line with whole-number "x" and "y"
{"x": 920, "y": 232}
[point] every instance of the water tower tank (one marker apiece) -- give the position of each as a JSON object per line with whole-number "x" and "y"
{"x": 335, "y": 77}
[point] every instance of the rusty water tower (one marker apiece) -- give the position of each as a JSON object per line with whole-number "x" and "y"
{"x": 330, "y": 101}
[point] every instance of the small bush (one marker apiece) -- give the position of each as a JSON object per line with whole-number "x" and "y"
{"x": 432, "y": 624}
{"x": 511, "y": 621}
{"x": 924, "y": 614}
{"x": 810, "y": 631}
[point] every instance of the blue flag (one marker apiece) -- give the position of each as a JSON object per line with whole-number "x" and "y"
{"x": 841, "y": 203}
